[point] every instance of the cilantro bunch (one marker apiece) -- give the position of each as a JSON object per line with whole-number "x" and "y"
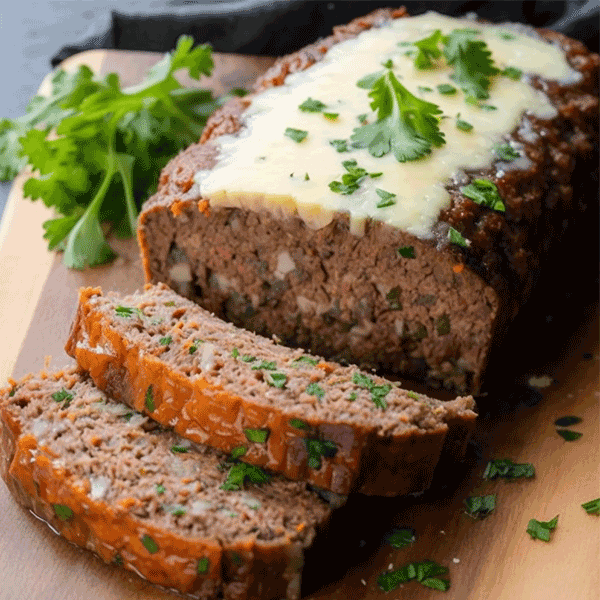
{"x": 97, "y": 150}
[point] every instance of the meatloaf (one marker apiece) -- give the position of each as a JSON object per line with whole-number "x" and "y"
{"x": 179, "y": 514}
{"x": 424, "y": 306}
{"x": 333, "y": 426}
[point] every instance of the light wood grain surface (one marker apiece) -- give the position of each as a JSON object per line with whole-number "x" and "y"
{"x": 492, "y": 558}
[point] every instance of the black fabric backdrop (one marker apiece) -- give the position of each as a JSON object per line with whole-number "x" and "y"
{"x": 277, "y": 27}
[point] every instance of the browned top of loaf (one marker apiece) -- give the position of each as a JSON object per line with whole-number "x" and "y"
{"x": 123, "y": 458}
{"x": 193, "y": 342}
{"x": 497, "y": 239}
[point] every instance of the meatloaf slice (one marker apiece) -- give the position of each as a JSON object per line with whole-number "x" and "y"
{"x": 423, "y": 308}
{"x": 334, "y": 426}
{"x": 179, "y": 514}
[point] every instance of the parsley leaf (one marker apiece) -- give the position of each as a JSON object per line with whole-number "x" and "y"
{"x": 63, "y": 396}
{"x": 507, "y": 469}
{"x": 64, "y": 513}
{"x": 258, "y": 436}
{"x": 340, "y": 145}
{"x": 265, "y": 364}
{"x": 202, "y": 566}
{"x": 425, "y": 572}
{"x": 387, "y": 198}
{"x": 480, "y": 506}
{"x": 567, "y": 421}
{"x": 484, "y": 192}
{"x": 472, "y": 62}
{"x": 592, "y": 507}
{"x": 317, "y": 449}
{"x": 150, "y": 544}
{"x": 400, "y": 538}
{"x": 295, "y": 134}
{"x": 455, "y": 237}
{"x": 568, "y": 435}
{"x": 428, "y": 50}
{"x": 506, "y": 152}
{"x": 298, "y": 424}
{"x": 463, "y": 125}
{"x": 311, "y": 105}
{"x": 314, "y": 389}
{"x": 540, "y": 530}
{"x": 309, "y": 360}
{"x": 110, "y": 145}
{"x": 277, "y": 380}
{"x": 165, "y": 341}
{"x": 241, "y": 473}
{"x": 406, "y": 252}
{"x": 378, "y": 392}
{"x": 237, "y": 452}
{"x": 512, "y": 73}
{"x": 179, "y": 449}
{"x": 149, "y": 399}
{"x": 446, "y": 89}
{"x": 406, "y": 125}
{"x": 351, "y": 180}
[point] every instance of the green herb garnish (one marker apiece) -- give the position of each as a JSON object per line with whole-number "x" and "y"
{"x": 393, "y": 298}
{"x": 340, "y": 145}
{"x": 314, "y": 389}
{"x": 150, "y": 544}
{"x": 317, "y": 449}
{"x": 331, "y": 116}
{"x": 446, "y": 89}
{"x": 568, "y": 435}
{"x": 456, "y": 238}
{"x": 265, "y": 364}
{"x": 311, "y": 105}
{"x": 109, "y": 148}
{"x": 484, "y": 192}
{"x": 426, "y": 573}
{"x": 540, "y": 530}
{"x": 400, "y": 538}
{"x": 165, "y": 341}
{"x": 242, "y": 473}
{"x": 507, "y": 469}
{"x": 406, "y": 125}
{"x": 64, "y": 513}
{"x": 127, "y": 311}
{"x": 406, "y": 251}
{"x": 179, "y": 449}
{"x": 276, "y": 379}
{"x": 387, "y": 198}
{"x": 235, "y": 353}
{"x": 295, "y": 134}
{"x": 149, "y": 399}
{"x": 463, "y": 125}
{"x": 388, "y": 64}
{"x": 362, "y": 117}
{"x": 160, "y": 489}
{"x": 480, "y": 506}
{"x": 63, "y": 396}
{"x": 202, "y": 567}
{"x": 592, "y": 507}
{"x": 305, "y": 359}
{"x": 194, "y": 346}
{"x": 237, "y": 452}
{"x": 248, "y": 358}
{"x": 565, "y": 421}
{"x": 508, "y": 36}
{"x": 378, "y": 392}
{"x": 352, "y": 397}
{"x": 506, "y": 152}
{"x": 175, "y": 509}
{"x": 258, "y": 436}
{"x": 351, "y": 180}
{"x": 442, "y": 325}
{"x": 428, "y": 50}
{"x": 306, "y": 177}
{"x": 298, "y": 424}
{"x": 512, "y": 73}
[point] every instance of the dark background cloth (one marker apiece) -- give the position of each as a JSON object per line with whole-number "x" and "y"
{"x": 278, "y": 27}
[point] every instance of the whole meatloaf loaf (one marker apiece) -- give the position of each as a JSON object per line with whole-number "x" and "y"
{"x": 385, "y": 196}
{"x": 333, "y": 426}
{"x": 181, "y": 515}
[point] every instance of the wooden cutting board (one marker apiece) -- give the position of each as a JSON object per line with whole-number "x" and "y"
{"x": 493, "y": 558}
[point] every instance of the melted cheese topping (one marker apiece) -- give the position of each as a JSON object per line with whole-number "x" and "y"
{"x": 262, "y": 168}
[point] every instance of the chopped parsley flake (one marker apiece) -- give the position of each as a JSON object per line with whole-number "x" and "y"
{"x": 412, "y": 395}
{"x": 241, "y": 473}
{"x": 512, "y": 73}
{"x": 456, "y": 238}
{"x": 127, "y": 311}
{"x": 165, "y": 341}
{"x": 351, "y": 180}
{"x": 160, "y": 489}
{"x": 368, "y": 81}
{"x": 317, "y": 449}
{"x": 428, "y": 50}
{"x": 314, "y": 389}
{"x": 540, "y": 530}
{"x": 352, "y": 397}
{"x": 298, "y": 424}
{"x": 306, "y": 177}
{"x": 64, "y": 513}
{"x": 179, "y": 449}
{"x": 423, "y": 89}
{"x": 203, "y": 565}
{"x": 508, "y": 36}
{"x": 406, "y": 251}
{"x": 463, "y": 125}
{"x": 400, "y": 538}
{"x": 484, "y": 192}
{"x": 442, "y": 325}
{"x": 276, "y": 380}
{"x": 258, "y": 436}
{"x": 378, "y": 392}
{"x": 393, "y": 298}
{"x": 387, "y": 198}
{"x": 305, "y": 359}
{"x": 506, "y": 152}
{"x": 63, "y": 396}
{"x": 406, "y": 125}
{"x": 446, "y": 89}
{"x": 265, "y": 364}
{"x": 150, "y": 544}
{"x": 169, "y": 303}
{"x": 311, "y": 105}
{"x": 568, "y": 435}
{"x": 592, "y": 507}
{"x": 480, "y": 506}
{"x": 295, "y": 134}
{"x": 426, "y": 573}
{"x": 567, "y": 421}
{"x": 331, "y": 116}
{"x": 248, "y": 358}
{"x": 235, "y": 353}
{"x": 149, "y": 399}
{"x": 507, "y": 469}
{"x": 175, "y": 509}
{"x": 340, "y": 145}
{"x": 388, "y": 64}
{"x": 362, "y": 117}
{"x": 195, "y": 345}
{"x": 237, "y": 452}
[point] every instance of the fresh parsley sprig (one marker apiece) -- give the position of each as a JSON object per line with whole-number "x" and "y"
{"x": 109, "y": 147}
{"x": 406, "y": 125}
{"x": 425, "y": 572}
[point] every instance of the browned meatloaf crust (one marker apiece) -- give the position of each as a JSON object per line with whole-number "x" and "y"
{"x": 112, "y": 481}
{"x": 333, "y": 426}
{"x": 352, "y": 298}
